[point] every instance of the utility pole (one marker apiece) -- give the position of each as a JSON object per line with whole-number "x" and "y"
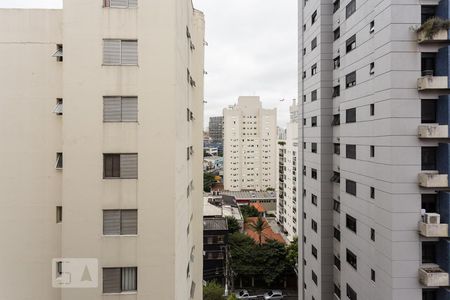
{"x": 226, "y": 269}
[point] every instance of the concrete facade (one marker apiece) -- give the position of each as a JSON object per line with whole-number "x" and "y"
{"x": 167, "y": 249}
{"x": 250, "y": 139}
{"x": 359, "y": 65}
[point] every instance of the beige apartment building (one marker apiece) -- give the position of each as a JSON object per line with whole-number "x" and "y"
{"x": 249, "y": 146}
{"x": 101, "y": 124}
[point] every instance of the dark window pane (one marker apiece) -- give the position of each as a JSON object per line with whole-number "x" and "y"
{"x": 429, "y": 111}
{"x": 428, "y": 252}
{"x": 429, "y": 158}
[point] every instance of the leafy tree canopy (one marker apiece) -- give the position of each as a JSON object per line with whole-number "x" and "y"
{"x": 213, "y": 291}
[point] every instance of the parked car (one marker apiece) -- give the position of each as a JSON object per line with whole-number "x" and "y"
{"x": 242, "y": 294}
{"x": 273, "y": 295}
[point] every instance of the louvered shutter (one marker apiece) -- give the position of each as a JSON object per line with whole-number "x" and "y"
{"x": 129, "y": 109}
{"x": 129, "y": 53}
{"x": 111, "y": 280}
{"x": 129, "y": 222}
{"x": 128, "y": 166}
{"x": 119, "y": 3}
{"x": 132, "y": 3}
{"x": 112, "y": 110}
{"x": 129, "y": 279}
{"x": 111, "y": 222}
{"x": 111, "y": 52}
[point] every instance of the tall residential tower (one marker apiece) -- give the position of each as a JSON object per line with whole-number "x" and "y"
{"x": 250, "y": 139}
{"x": 101, "y": 129}
{"x": 374, "y": 150}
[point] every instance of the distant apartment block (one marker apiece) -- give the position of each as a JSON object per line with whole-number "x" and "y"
{"x": 101, "y": 127}
{"x": 288, "y": 177}
{"x": 216, "y": 129}
{"x": 373, "y": 148}
{"x": 250, "y": 137}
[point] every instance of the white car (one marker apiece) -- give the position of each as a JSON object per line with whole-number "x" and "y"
{"x": 243, "y": 294}
{"x": 273, "y": 295}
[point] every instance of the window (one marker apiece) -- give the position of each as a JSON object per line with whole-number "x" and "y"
{"x": 372, "y": 109}
{"x": 120, "y": 109}
{"x": 372, "y": 151}
{"x": 304, "y": 51}
{"x": 350, "y": 79}
{"x": 336, "y": 206}
{"x": 351, "y": 294}
{"x": 314, "y": 147}
{"x": 336, "y": 62}
{"x": 59, "y": 53}
{"x": 337, "y": 234}
{"x": 337, "y": 148}
{"x": 314, "y": 225}
{"x": 314, "y": 70}
{"x": 336, "y": 91}
{"x": 350, "y": 223}
{"x": 336, "y": 120}
{"x": 304, "y": 27}
{"x": 314, "y": 277}
{"x": 314, "y": 17}
{"x": 428, "y": 252}
{"x": 372, "y": 234}
{"x": 350, "y": 187}
{"x": 337, "y": 291}
{"x": 118, "y": 280}
{"x": 350, "y": 151}
{"x": 336, "y": 177}
{"x": 189, "y": 152}
{"x": 372, "y": 27}
{"x": 372, "y": 68}
{"x": 59, "y": 161}
{"x": 314, "y": 174}
{"x": 337, "y": 262}
{"x": 304, "y": 75}
{"x": 313, "y": 121}
{"x": 372, "y": 274}
{"x": 314, "y": 251}
{"x": 429, "y": 202}
{"x": 350, "y": 44}
{"x": 350, "y": 8}
{"x": 429, "y": 294}
{"x": 190, "y": 115}
{"x": 314, "y": 199}
{"x": 314, "y": 95}
{"x": 120, "y": 52}
{"x": 429, "y": 109}
{"x": 350, "y": 115}
{"x": 337, "y": 33}
{"x": 59, "y": 107}
{"x": 351, "y": 259}
{"x": 58, "y": 214}
{"x": 304, "y": 98}
{"x": 336, "y": 5}
{"x": 313, "y": 44}
{"x": 124, "y": 166}
{"x": 120, "y": 3}
{"x": 120, "y": 222}
{"x": 372, "y": 192}
{"x": 304, "y": 121}
{"x": 429, "y": 158}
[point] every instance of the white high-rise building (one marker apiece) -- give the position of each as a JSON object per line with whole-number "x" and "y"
{"x": 374, "y": 150}
{"x": 288, "y": 177}
{"x": 101, "y": 124}
{"x": 250, "y": 139}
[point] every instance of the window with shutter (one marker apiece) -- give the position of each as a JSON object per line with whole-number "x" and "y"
{"x": 112, "y": 109}
{"x": 129, "y": 52}
{"x": 129, "y": 279}
{"x": 129, "y": 166}
{"x": 120, "y": 52}
{"x": 111, "y": 52}
{"x": 111, "y": 222}
{"x": 129, "y": 222}
{"x": 111, "y": 166}
{"x": 111, "y": 280}
{"x": 129, "y": 109}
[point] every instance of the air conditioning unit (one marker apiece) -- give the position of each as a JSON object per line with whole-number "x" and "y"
{"x": 432, "y": 218}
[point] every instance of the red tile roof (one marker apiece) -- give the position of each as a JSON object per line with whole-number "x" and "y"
{"x": 267, "y": 234}
{"x": 259, "y": 207}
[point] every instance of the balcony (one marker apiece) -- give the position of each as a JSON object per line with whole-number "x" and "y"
{"x": 431, "y": 226}
{"x": 440, "y": 37}
{"x": 433, "y": 84}
{"x": 433, "y": 131}
{"x": 431, "y": 275}
{"x": 432, "y": 179}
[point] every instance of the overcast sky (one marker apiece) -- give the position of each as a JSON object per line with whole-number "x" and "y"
{"x": 252, "y": 51}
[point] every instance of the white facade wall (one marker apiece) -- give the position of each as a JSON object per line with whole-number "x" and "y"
{"x": 250, "y": 137}
{"x": 169, "y": 220}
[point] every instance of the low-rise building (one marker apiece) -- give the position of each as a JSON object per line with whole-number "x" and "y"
{"x": 215, "y": 240}
{"x": 267, "y": 199}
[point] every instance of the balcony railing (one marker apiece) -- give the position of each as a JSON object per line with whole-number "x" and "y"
{"x": 432, "y": 83}
{"x": 432, "y": 179}
{"x": 433, "y": 131}
{"x": 439, "y": 37}
{"x": 431, "y": 226}
{"x": 432, "y": 275}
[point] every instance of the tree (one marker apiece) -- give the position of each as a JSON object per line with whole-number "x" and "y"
{"x": 249, "y": 211}
{"x": 259, "y": 226}
{"x": 292, "y": 254}
{"x": 233, "y": 225}
{"x": 208, "y": 182}
{"x": 242, "y": 252}
{"x": 232, "y": 297}
{"x": 213, "y": 291}
{"x": 273, "y": 255}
